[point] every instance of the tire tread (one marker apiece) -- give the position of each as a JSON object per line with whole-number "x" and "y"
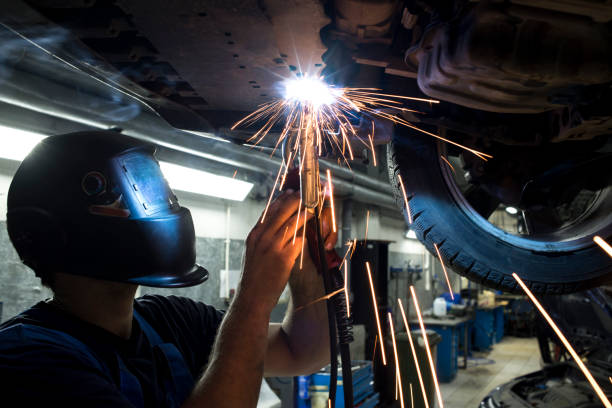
{"x": 402, "y": 159}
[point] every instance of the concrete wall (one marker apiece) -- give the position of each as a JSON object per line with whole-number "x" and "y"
{"x": 19, "y": 287}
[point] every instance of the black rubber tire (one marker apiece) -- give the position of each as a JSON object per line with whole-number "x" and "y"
{"x": 467, "y": 248}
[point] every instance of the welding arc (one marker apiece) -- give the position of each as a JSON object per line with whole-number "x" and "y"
{"x": 566, "y": 343}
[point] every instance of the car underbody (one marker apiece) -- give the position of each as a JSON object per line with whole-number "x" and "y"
{"x": 528, "y": 82}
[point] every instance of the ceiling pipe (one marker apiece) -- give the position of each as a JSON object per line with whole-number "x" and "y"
{"x": 94, "y": 104}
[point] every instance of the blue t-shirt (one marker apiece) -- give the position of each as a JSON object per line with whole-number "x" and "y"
{"x": 51, "y": 376}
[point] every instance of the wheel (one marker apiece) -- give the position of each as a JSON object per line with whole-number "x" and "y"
{"x": 559, "y": 259}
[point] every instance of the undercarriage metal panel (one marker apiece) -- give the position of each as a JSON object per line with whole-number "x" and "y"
{"x": 232, "y": 53}
{"x": 514, "y": 59}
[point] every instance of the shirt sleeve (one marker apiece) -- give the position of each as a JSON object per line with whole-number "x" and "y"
{"x": 190, "y": 325}
{"x": 35, "y": 375}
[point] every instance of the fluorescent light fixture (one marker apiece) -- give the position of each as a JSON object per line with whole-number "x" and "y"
{"x": 511, "y": 210}
{"x": 15, "y": 144}
{"x": 201, "y": 182}
{"x": 410, "y": 234}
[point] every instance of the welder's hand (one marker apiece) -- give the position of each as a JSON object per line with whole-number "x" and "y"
{"x": 271, "y": 252}
{"x": 330, "y": 237}
{"x": 306, "y": 282}
{"x": 303, "y": 276}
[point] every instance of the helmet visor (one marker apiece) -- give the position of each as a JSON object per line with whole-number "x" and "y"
{"x": 146, "y": 190}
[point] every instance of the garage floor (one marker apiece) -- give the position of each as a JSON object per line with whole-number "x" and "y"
{"x": 513, "y": 357}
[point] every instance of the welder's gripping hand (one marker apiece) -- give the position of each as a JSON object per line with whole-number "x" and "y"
{"x": 271, "y": 252}
{"x": 329, "y": 240}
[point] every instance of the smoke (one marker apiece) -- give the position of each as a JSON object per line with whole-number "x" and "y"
{"x": 14, "y": 48}
{"x": 54, "y": 54}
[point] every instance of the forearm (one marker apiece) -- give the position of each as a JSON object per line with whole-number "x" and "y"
{"x": 305, "y": 323}
{"x": 234, "y": 373}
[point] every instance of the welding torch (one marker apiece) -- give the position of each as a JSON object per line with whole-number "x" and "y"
{"x": 328, "y": 264}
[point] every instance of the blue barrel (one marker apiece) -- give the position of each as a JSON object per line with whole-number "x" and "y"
{"x": 446, "y": 361}
{"x": 483, "y": 329}
{"x": 499, "y": 323}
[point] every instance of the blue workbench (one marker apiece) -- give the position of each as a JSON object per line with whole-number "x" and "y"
{"x": 448, "y": 349}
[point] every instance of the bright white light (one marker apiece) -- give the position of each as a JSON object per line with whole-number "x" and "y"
{"x": 310, "y": 90}
{"x": 511, "y": 210}
{"x": 410, "y": 234}
{"x": 201, "y": 182}
{"x": 15, "y": 144}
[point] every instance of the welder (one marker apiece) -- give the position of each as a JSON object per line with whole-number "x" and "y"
{"x": 92, "y": 215}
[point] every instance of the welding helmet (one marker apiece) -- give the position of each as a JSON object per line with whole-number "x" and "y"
{"x": 96, "y": 204}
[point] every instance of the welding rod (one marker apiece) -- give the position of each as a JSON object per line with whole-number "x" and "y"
{"x": 309, "y": 174}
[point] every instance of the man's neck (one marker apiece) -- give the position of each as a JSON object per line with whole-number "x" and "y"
{"x": 106, "y": 304}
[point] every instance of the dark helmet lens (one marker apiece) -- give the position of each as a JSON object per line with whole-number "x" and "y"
{"x": 147, "y": 187}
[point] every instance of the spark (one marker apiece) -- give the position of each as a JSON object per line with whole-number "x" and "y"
{"x": 297, "y": 221}
{"x": 365, "y": 239}
{"x": 374, "y": 352}
{"x": 603, "y": 244}
{"x": 322, "y": 201}
{"x": 411, "y": 397}
{"x": 345, "y": 263}
{"x": 285, "y": 233}
{"x": 397, "y": 367}
{"x": 371, "y": 137}
{"x": 303, "y": 240}
{"x": 351, "y": 245}
{"x": 331, "y": 199}
{"x": 447, "y": 162}
{"x": 382, "y": 346}
{"x": 414, "y": 355}
{"x": 396, "y": 385}
{"x": 399, "y": 177}
{"x": 429, "y": 357}
{"x": 312, "y": 106}
{"x": 450, "y": 289}
{"x": 287, "y": 163}
{"x": 235, "y": 172}
{"x": 263, "y": 217}
{"x": 322, "y": 298}
{"x": 565, "y": 342}
{"x": 329, "y": 402}
{"x": 346, "y": 292}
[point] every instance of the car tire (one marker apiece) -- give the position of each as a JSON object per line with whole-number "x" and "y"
{"x": 467, "y": 247}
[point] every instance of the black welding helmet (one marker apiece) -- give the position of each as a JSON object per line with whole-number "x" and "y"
{"x": 96, "y": 204}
